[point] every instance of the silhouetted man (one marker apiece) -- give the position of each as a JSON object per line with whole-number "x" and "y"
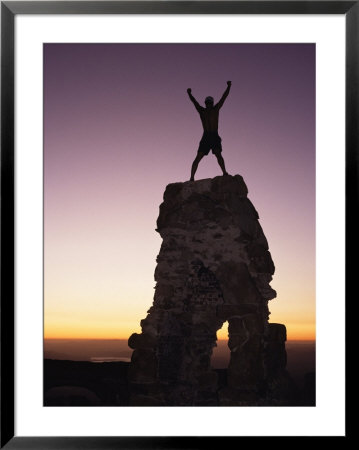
{"x": 210, "y": 139}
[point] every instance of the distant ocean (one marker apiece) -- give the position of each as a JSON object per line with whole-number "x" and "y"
{"x": 111, "y": 350}
{"x": 101, "y": 359}
{"x": 300, "y": 354}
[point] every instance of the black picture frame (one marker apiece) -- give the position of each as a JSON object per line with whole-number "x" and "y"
{"x": 9, "y": 9}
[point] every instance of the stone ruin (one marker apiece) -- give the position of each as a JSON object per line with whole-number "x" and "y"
{"x": 214, "y": 266}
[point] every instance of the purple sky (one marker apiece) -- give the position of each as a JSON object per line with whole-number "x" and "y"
{"x": 119, "y": 127}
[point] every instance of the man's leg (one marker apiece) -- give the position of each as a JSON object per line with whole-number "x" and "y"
{"x": 199, "y": 156}
{"x": 221, "y": 162}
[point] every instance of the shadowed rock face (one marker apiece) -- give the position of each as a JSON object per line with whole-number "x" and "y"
{"x": 214, "y": 266}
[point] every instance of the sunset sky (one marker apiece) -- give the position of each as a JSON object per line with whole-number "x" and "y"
{"x": 119, "y": 127}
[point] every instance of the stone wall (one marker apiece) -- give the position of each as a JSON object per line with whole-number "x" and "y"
{"x": 213, "y": 266}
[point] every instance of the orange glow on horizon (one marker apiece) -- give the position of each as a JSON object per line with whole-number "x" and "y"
{"x": 295, "y": 332}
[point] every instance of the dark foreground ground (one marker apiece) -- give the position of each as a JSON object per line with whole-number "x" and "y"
{"x": 85, "y": 383}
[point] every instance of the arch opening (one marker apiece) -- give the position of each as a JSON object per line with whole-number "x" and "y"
{"x": 221, "y": 353}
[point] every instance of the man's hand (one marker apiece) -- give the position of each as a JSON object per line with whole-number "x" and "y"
{"x": 198, "y": 107}
{"x": 225, "y": 94}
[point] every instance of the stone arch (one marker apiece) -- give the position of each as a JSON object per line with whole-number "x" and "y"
{"x": 214, "y": 266}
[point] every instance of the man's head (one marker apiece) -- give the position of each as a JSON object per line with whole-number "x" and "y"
{"x": 209, "y": 102}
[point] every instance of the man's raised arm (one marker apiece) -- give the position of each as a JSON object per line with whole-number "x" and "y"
{"x": 225, "y": 94}
{"x": 193, "y": 100}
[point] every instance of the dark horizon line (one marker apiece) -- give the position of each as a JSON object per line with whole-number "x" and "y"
{"x": 124, "y": 339}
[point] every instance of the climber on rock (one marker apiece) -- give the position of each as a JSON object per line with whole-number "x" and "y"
{"x": 210, "y": 139}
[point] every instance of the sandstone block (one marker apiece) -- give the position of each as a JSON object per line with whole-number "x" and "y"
{"x": 277, "y": 332}
{"x": 225, "y": 312}
{"x": 142, "y": 340}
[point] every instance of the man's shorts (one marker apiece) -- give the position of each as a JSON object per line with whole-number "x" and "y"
{"x": 210, "y": 141}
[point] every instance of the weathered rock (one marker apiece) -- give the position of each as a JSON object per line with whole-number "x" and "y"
{"x": 213, "y": 266}
{"x": 277, "y": 332}
{"x": 228, "y": 311}
{"x": 142, "y": 340}
{"x": 143, "y": 367}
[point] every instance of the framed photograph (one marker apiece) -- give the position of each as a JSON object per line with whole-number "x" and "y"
{"x": 176, "y": 181}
